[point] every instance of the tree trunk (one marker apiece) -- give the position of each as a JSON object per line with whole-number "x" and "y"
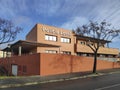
{"x": 95, "y": 62}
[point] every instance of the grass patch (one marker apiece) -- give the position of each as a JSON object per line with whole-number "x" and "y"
{"x": 5, "y": 77}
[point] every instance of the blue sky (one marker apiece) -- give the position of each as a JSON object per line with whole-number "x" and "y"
{"x": 66, "y": 14}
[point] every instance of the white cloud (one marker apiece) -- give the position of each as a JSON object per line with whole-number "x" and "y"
{"x": 22, "y": 20}
{"x": 60, "y": 7}
{"x": 74, "y": 23}
{"x": 108, "y": 10}
{"x": 6, "y": 8}
{"x": 46, "y": 7}
{"x": 115, "y": 43}
{"x": 71, "y": 13}
{"x": 12, "y": 8}
{"x": 25, "y": 22}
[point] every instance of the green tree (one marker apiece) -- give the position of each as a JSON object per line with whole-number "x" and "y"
{"x": 97, "y": 35}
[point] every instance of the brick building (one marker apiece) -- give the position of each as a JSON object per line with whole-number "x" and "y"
{"x": 49, "y": 39}
{"x": 44, "y": 40}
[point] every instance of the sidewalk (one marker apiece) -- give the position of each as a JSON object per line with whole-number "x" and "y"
{"x": 30, "y": 80}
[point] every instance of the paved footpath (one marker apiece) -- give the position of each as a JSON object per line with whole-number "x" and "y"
{"x": 34, "y": 80}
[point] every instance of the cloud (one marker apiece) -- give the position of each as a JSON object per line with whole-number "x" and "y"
{"x": 60, "y": 7}
{"x": 12, "y": 8}
{"x": 96, "y": 10}
{"x": 115, "y": 43}
{"x": 74, "y": 23}
{"x": 46, "y": 7}
{"x": 108, "y": 10}
{"x": 21, "y": 20}
{"x": 6, "y": 8}
{"x": 26, "y": 23}
{"x": 64, "y": 13}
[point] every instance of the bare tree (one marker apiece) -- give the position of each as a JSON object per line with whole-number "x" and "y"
{"x": 8, "y": 31}
{"x": 97, "y": 35}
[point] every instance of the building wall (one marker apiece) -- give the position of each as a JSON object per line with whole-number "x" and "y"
{"x": 32, "y": 35}
{"x": 52, "y": 64}
{"x": 43, "y": 49}
{"x": 40, "y": 30}
{"x": 27, "y": 64}
{"x": 102, "y": 50}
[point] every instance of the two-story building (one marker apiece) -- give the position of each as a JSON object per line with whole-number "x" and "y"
{"x": 49, "y": 50}
{"x": 49, "y": 39}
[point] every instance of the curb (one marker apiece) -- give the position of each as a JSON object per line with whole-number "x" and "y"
{"x": 58, "y": 80}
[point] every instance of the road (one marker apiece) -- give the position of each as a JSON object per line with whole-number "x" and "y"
{"x": 106, "y": 82}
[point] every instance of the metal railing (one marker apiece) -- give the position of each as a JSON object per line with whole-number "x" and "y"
{"x": 108, "y": 59}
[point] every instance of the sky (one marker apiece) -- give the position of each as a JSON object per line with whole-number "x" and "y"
{"x": 67, "y": 14}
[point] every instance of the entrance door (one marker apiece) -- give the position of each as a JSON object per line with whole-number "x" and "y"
{"x": 14, "y": 70}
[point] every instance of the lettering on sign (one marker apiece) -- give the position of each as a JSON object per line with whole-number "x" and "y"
{"x": 56, "y": 32}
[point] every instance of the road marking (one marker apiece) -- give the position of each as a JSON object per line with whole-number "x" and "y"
{"x": 107, "y": 87}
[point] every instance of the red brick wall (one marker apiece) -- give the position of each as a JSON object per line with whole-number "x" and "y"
{"x": 52, "y": 64}
{"x": 104, "y": 65}
{"x": 29, "y": 62}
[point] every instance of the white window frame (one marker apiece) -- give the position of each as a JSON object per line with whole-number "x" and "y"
{"x": 50, "y": 51}
{"x": 66, "y": 52}
{"x": 65, "y": 40}
{"x": 50, "y": 38}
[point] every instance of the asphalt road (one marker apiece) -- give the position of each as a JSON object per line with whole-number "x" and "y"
{"x": 106, "y": 82}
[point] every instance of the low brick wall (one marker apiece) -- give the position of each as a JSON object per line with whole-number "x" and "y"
{"x": 27, "y": 64}
{"x": 52, "y": 64}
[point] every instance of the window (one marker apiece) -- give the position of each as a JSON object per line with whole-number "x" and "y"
{"x": 51, "y": 51}
{"x": 66, "y": 52}
{"x": 65, "y": 40}
{"x": 102, "y": 55}
{"x": 84, "y": 54}
{"x": 50, "y": 38}
{"x": 82, "y": 42}
{"x": 81, "y": 54}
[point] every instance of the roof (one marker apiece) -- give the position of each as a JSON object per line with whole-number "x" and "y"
{"x": 27, "y": 45}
